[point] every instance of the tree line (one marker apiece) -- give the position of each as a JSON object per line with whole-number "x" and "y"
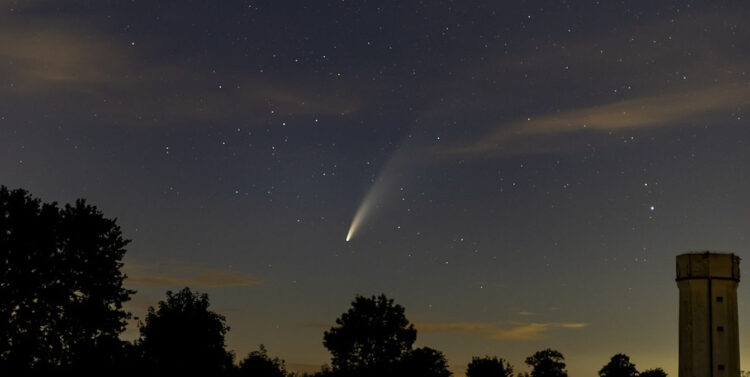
{"x": 61, "y": 312}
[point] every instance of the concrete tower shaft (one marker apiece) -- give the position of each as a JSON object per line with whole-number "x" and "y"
{"x": 709, "y": 333}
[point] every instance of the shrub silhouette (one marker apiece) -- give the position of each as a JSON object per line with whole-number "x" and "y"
{"x": 423, "y": 362}
{"x": 656, "y": 372}
{"x": 259, "y": 364}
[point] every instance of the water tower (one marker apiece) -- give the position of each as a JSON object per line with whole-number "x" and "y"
{"x": 709, "y": 335}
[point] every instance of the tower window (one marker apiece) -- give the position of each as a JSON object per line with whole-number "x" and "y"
{"x": 720, "y": 367}
{"x": 719, "y": 299}
{"x": 719, "y": 328}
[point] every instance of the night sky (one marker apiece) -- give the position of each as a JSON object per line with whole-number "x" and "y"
{"x": 525, "y": 171}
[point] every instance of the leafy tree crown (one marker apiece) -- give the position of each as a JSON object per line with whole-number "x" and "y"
{"x": 182, "y": 335}
{"x": 547, "y": 363}
{"x": 489, "y": 367}
{"x": 373, "y": 333}
{"x": 619, "y": 366}
{"x": 61, "y": 284}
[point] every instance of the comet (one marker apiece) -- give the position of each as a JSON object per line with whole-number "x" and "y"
{"x": 383, "y": 185}
{"x": 364, "y": 209}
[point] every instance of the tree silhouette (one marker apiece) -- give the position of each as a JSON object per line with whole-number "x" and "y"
{"x": 259, "y": 364}
{"x": 423, "y": 362}
{"x": 183, "y": 337}
{"x": 489, "y": 367}
{"x": 370, "y": 337}
{"x": 61, "y": 290}
{"x": 547, "y": 363}
{"x": 619, "y": 366}
{"x": 657, "y": 372}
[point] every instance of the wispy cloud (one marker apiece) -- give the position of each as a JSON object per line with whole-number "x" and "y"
{"x": 78, "y": 68}
{"x": 51, "y": 57}
{"x": 593, "y": 66}
{"x": 180, "y": 275}
{"x": 573, "y": 325}
{"x": 516, "y": 332}
{"x": 515, "y": 102}
{"x": 638, "y": 113}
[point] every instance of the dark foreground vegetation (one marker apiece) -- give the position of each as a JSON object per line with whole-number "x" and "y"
{"x": 61, "y": 297}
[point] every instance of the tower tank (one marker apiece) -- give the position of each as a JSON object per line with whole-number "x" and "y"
{"x": 709, "y": 333}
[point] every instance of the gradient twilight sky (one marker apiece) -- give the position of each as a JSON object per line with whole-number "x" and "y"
{"x": 533, "y": 166}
